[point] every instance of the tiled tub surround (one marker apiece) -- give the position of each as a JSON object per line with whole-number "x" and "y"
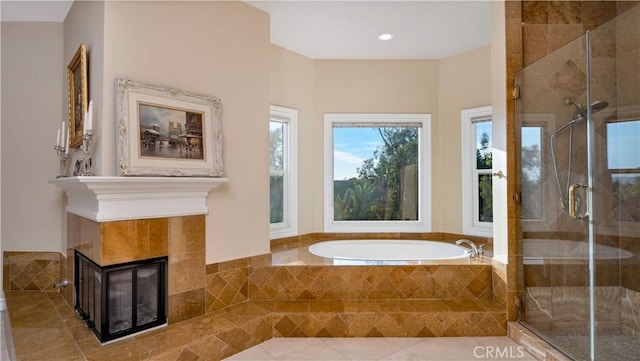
{"x": 308, "y": 296}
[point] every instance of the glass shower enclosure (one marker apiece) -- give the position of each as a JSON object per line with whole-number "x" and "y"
{"x": 578, "y": 128}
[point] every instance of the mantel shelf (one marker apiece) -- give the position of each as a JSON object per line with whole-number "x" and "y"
{"x": 105, "y": 199}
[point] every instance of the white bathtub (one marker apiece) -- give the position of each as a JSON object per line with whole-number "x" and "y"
{"x": 374, "y": 250}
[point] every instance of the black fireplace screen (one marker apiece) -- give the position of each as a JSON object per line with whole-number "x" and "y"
{"x": 123, "y": 299}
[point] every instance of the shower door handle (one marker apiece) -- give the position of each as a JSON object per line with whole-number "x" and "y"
{"x": 574, "y": 202}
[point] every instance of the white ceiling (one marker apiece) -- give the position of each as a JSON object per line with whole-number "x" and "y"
{"x": 34, "y": 11}
{"x": 350, "y": 29}
{"x": 424, "y": 29}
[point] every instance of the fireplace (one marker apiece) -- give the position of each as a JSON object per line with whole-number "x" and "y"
{"x": 121, "y": 299}
{"x": 119, "y": 223}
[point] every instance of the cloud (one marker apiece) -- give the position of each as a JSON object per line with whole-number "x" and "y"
{"x": 361, "y": 147}
{"x": 347, "y": 158}
{"x": 345, "y": 165}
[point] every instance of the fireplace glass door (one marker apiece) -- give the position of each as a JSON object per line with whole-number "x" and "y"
{"x": 123, "y": 299}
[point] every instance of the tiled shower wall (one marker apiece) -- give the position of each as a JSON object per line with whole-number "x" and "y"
{"x": 535, "y": 29}
{"x": 566, "y": 309}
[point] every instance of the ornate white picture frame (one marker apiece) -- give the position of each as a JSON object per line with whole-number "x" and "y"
{"x": 167, "y": 132}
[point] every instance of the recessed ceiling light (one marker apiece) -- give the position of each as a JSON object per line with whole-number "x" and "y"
{"x": 385, "y": 36}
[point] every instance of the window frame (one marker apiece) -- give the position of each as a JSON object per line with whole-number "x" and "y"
{"x": 611, "y": 218}
{"x": 546, "y": 122}
{"x": 471, "y": 223}
{"x": 289, "y": 226}
{"x": 423, "y": 224}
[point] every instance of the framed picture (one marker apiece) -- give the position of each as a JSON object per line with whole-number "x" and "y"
{"x": 77, "y": 95}
{"x": 167, "y": 132}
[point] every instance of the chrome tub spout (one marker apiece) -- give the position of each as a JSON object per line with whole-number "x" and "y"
{"x": 474, "y": 251}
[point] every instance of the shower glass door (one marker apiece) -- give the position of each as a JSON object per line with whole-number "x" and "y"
{"x": 578, "y": 124}
{"x": 553, "y": 141}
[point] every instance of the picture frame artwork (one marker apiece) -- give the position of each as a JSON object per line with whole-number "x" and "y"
{"x": 77, "y": 95}
{"x": 167, "y": 132}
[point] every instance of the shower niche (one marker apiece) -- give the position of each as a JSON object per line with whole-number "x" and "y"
{"x": 123, "y": 299}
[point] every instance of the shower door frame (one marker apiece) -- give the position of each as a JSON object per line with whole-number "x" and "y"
{"x": 589, "y": 228}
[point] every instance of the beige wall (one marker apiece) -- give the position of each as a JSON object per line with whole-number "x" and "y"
{"x": 499, "y": 123}
{"x": 211, "y": 48}
{"x": 292, "y": 86}
{"x": 440, "y": 88}
{"x": 85, "y": 24}
{"x": 373, "y": 86}
{"x": 32, "y": 77}
{"x": 465, "y": 82}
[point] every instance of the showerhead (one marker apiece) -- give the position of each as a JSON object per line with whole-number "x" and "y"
{"x": 579, "y": 117}
{"x": 581, "y": 112}
{"x": 598, "y": 105}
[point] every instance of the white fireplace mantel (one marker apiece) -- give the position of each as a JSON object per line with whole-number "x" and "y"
{"x": 123, "y": 198}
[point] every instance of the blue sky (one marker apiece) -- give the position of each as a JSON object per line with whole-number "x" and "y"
{"x": 530, "y": 136}
{"x": 623, "y": 147}
{"x": 351, "y": 147}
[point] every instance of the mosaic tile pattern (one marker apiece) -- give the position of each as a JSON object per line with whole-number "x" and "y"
{"x": 384, "y": 318}
{"x": 226, "y": 288}
{"x": 370, "y": 282}
{"x": 34, "y": 271}
{"x": 499, "y": 288}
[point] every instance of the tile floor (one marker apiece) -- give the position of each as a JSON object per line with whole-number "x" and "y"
{"x": 428, "y": 348}
{"x": 45, "y": 328}
{"x": 6, "y": 342}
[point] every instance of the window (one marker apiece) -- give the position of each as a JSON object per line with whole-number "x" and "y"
{"x": 623, "y": 160}
{"x": 477, "y": 172}
{"x": 283, "y": 172}
{"x": 532, "y": 189}
{"x": 377, "y": 173}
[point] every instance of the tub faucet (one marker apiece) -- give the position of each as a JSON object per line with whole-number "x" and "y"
{"x": 475, "y": 251}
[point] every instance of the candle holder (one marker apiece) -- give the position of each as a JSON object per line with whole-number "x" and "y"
{"x": 86, "y": 149}
{"x": 62, "y": 153}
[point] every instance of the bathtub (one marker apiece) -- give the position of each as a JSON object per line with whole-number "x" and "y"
{"x": 541, "y": 251}
{"x": 377, "y": 251}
